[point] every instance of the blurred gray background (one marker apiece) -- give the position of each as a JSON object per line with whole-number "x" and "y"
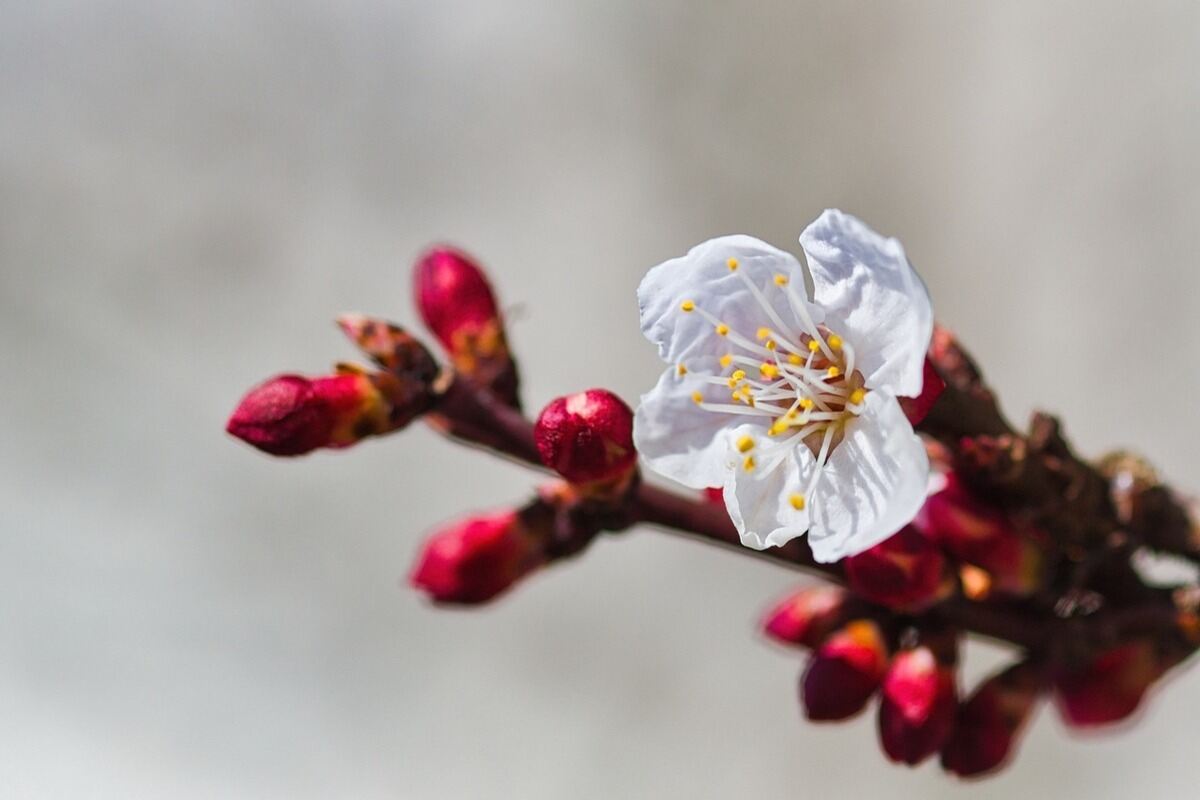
{"x": 190, "y": 193}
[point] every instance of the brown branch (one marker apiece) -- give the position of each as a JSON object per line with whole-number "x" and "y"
{"x": 1036, "y": 475}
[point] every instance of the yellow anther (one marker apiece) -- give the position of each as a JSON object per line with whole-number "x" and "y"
{"x": 833, "y": 372}
{"x": 795, "y": 360}
{"x": 791, "y": 413}
{"x": 763, "y": 333}
{"x": 748, "y": 463}
{"x": 697, "y": 398}
{"x": 732, "y": 264}
{"x": 777, "y": 427}
{"x": 745, "y": 444}
{"x": 726, "y": 360}
{"x": 813, "y": 346}
{"x": 835, "y": 342}
{"x": 681, "y": 369}
{"x": 732, "y": 382}
{"x": 807, "y": 403}
{"x": 781, "y": 279}
{"x": 770, "y": 344}
{"x": 738, "y": 374}
{"x": 797, "y": 501}
{"x": 857, "y": 396}
{"x": 722, "y": 329}
{"x": 687, "y": 305}
{"x": 768, "y": 369}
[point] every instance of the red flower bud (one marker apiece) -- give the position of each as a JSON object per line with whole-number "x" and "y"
{"x": 1111, "y": 687}
{"x": 990, "y": 722}
{"x": 452, "y": 293}
{"x": 475, "y": 560}
{"x": 290, "y": 415}
{"x": 932, "y": 386}
{"x": 844, "y": 672}
{"x": 456, "y": 301}
{"x": 906, "y": 572}
{"x": 981, "y": 535}
{"x": 587, "y": 436}
{"x": 918, "y": 700}
{"x": 807, "y": 616}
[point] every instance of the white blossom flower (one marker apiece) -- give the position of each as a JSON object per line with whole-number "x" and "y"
{"x": 790, "y": 404}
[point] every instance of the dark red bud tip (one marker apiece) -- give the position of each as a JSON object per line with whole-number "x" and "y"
{"x": 844, "y": 672}
{"x": 932, "y": 386}
{"x": 906, "y": 572}
{"x": 917, "y": 705}
{"x": 453, "y": 295}
{"x": 587, "y": 436}
{"x": 806, "y": 617}
{"x": 1110, "y": 688}
{"x": 290, "y": 415}
{"x": 476, "y": 559}
{"x": 990, "y": 722}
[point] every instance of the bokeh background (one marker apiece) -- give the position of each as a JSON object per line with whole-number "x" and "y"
{"x": 189, "y": 194}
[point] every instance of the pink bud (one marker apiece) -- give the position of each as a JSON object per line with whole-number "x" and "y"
{"x": 906, "y": 572}
{"x": 918, "y": 700}
{"x": 844, "y": 672}
{"x": 452, "y": 294}
{"x": 587, "y": 436}
{"x": 1111, "y": 687}
{"x": 475, "y": 560}
{"x": 989, "y": 723}
{"x": 932, "y": 386}
{"x": 290, "y": 415}
{"x": 807, "y": 616}
{"x": 456, "y": 301}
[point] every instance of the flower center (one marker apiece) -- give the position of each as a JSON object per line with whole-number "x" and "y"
{"x": 799, "y": 380}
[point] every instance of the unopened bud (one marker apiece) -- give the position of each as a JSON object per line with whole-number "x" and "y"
{"x": 932, "y": 386}
{"x": 990, "y": 722}
{"x": 456, "y": 301}
{"x": 918, "y": 700}
{"x": 906, "y": 572}
{"x": 587, "y": 437}
{"x": 475, "y": 560}
{"x": 807, "y": 616}
{"x": 984, "y": 536}
{"x": 1111, "y": 687}
{"x": 844, "y": 671}
{"x": 290, "y": 415}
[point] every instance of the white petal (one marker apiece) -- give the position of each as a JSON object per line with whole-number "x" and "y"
{"x": 679, "y": 439}
{"x": 873, "y": 485}
{"x": 873, "y": 298}
{"x": 758, "y": 501}
{"x": 703, "y": 276}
